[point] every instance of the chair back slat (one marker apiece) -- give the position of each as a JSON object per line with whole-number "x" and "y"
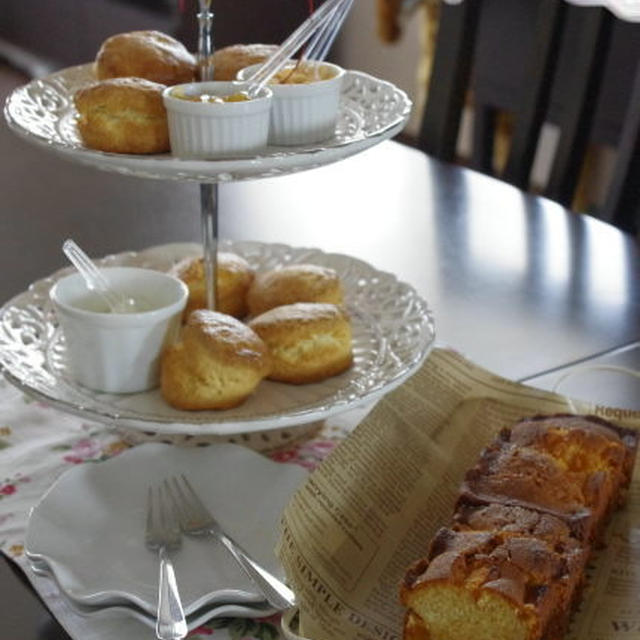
{"x": 622, "y": 204}
{"x": 535, "y": 94}
{"x": 575, "y": 121}
{"x": 484, "y": 136}
{"x": 562, "y": 37}
{"x": 449, "y": 81}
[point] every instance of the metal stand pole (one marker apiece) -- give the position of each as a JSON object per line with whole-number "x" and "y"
{"x": 208, "y": 192}
{"x": 209, "y": 222}
{"x": 205, "y": 41}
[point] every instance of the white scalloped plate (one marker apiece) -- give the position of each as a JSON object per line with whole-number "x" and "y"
{"x": 42, "y": 112}
{"x": 88, "y": 528}
{"x": 393, "y": 332}
{"x": 116, "y": 608}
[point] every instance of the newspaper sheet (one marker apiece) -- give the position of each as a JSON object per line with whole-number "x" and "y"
{"x": 369, "y": 510}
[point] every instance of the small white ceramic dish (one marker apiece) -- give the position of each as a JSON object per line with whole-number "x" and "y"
{"x": 303, "y": 112}
{"x": 119, "y": 352}
{"x": 89, "y": 527}
{"x": 216, "y": 129}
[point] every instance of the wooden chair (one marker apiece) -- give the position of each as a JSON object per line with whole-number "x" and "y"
{"x": 451, "y": 79}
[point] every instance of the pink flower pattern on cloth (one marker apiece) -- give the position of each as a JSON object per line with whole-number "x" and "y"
{"x": 9, "y": 486}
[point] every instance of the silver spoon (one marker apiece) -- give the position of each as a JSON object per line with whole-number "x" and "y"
{"x": 317, "y": 21}
{"x": 95, "y": 280}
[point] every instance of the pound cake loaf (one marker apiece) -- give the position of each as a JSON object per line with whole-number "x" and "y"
{"x": 511, "y": 564}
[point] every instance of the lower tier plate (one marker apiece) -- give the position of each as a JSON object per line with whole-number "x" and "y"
{"x": 393, "y": 332}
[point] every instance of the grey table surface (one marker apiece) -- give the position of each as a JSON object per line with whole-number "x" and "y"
{"x": 517, "y": 283}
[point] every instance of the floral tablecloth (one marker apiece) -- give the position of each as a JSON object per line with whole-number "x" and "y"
{"x": 38, "y": 444}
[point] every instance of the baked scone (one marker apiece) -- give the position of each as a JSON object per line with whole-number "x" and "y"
{"x": 123, "y": 115}
{"x": 308, "y": 342}
{"x": 227, "y": 61}
{"x": 216, "y": 364}
{"x": 294, "y": 283}
{"x": 152, "y": 55}
{"x": 234, "y": 275}
{"x": 512, "y": 564}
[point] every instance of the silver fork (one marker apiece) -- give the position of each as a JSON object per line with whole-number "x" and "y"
{"x": 163, "y": 535}
{"x": 197, "y": 520}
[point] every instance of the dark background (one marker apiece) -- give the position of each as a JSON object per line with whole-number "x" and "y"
{"x": 68, "y": 32}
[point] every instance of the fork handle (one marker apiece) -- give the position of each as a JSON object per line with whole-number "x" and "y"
{"x": 170, "y": 622}
{"x": 275, "y": 591}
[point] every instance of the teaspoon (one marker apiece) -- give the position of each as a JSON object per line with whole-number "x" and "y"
{"x": 95, "y": 280}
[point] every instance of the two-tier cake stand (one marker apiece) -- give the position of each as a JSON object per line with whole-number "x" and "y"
{"x": 393, "y": 330}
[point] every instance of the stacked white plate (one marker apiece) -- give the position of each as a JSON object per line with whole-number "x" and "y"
{"x": 87, "y": 532}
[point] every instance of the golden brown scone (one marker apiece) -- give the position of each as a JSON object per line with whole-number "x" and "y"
{"x": 229, "y": 60}
{"x": 308, "y": 341}
{"x": 294, "y": 283}
{"x": 234, "y": 277}
{"x": 123, "y": 115}
{"x": 216, "y": 364}
{"x": 151, "y": 55}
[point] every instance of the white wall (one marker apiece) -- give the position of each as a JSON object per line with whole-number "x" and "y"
{"x": 360, "y": 48}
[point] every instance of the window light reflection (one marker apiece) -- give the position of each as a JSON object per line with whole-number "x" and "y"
{"x": 498, "y": 238}
{"x": 606, "y": 277}
{"x": 556, "y": 266}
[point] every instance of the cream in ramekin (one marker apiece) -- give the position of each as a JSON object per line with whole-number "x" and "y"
{"x": 306, "y": 101}
{"x": 205, "y": 129}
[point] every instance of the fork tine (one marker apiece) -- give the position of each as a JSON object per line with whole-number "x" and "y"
{"x": 149, "y": 508}
{"x": 165, "y": 520}
{"x": 158, "y": 525}
{"x": 200, "y": 521}
{"x": 188, "y": 503}
{"x": 178, "y": 502}
{"x": 170, "y": 511}
{"x": 149, "y": 533}
{"x": 194, "y": 496}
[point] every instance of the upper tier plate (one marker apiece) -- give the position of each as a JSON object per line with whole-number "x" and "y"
{"x": 42, "y": 112}
{"x": 393, "y": 331}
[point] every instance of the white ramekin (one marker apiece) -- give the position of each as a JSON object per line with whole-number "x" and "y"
{"x": 213, "y": 130}
{"x": 303, "y": 113}
{"x": 119, "y": 352}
